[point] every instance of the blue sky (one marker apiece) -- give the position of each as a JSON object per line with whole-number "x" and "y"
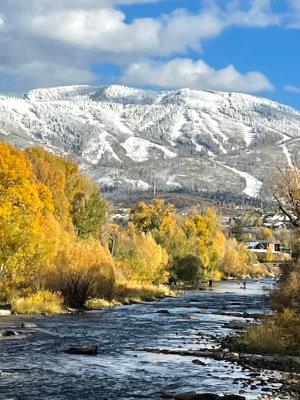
{"x": 250, "y": 46}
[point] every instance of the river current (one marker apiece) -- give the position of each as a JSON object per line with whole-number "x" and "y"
{"x": 36, "y": 367}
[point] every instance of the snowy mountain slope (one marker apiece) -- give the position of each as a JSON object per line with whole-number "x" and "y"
{"x": 128, "y": 138}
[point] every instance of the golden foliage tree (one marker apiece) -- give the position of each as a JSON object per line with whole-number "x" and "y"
{"x": 209, "y": 239}
{"x": 238, "y": 260}
{"x": 28, "y": 231}
{"x": 141, "y": 258}
{"x": 81, "y": 269}
{"x": 76, "y": 197}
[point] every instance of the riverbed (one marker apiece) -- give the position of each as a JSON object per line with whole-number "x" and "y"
{"x": 35, "y": 367}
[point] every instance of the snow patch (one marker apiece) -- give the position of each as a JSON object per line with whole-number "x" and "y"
{"x": 171, "y": 181}
{"x": 138, "y": 149}
{"x": 253, "y": 185}
{"x": 287, "y": 155}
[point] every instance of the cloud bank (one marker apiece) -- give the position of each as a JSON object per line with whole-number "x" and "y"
{"x": 49, "y": 42}
{"x": 185, "y": 72}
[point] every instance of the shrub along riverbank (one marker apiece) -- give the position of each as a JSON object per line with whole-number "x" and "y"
{"x": 280, "y": 333}
{"x": 59, "y": 247}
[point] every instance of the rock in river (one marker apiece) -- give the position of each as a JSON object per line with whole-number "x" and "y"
{"x": 207, "y": 396}
{"x": 9, "y": 332}
{"x": 167, "y": 395}
{"x": 234, "y": 324}
{"x": 185, "y": 395}
{"x": 85, "y": 350}
{"x": 28, "y": 325}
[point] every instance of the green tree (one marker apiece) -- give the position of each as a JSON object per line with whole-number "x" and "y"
{"x": 187, "y": 268}
{"x": 237, "y": 230}
{"x": 89, "y": 216}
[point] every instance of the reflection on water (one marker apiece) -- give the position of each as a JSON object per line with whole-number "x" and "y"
{"x": 37, "y": 368}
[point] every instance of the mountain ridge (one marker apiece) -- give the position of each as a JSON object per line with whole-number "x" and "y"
{"x": 129, "y": 139}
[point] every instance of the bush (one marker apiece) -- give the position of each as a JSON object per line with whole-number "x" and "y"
{"x": 263, "y": 338}
{"x": 81, "y": 269}
{"x": 278, "y": 334}
{"x": 188, "y": 268}
{"x": 40, "y": 302}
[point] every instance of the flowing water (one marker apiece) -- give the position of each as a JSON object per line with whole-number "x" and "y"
{"x": 36, "y": 367}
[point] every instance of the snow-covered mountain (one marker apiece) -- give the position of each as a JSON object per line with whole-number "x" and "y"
{"x": 128, "y": 139}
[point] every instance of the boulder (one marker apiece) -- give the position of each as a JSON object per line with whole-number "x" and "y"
{"x": 167, "y": 395}
{"x": 198, "y": 362}
{"x": 84, "y": 350}
{"x": 207, "y": 396}
{"x": 190, "y": 317}
{"x": 163, "y": 312}
{"x": 5, "y": 312}
{"x": 28, "y": 325}
{"x": 72, "y": 310}
{"x": 185, "y": 395}
{"x": 234, "y": 324}
{"x": 231, "y": 356}
{"x": 233, "y": 397}
{"x": 9, "y": 332}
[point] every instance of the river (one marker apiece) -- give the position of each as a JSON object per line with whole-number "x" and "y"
{"x": 36, "y": 367}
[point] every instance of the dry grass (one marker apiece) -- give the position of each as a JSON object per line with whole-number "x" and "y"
{"x": 279, "y": 334}
{"x": 133, "y": 292}
{"x": 40, "y": 302}
{"x": 129, "y": 292}
{"x": 96, "y": 303}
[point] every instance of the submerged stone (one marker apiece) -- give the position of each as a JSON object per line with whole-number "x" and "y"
{"x": 84, "y": 350}
{"x": 185, "y": 395}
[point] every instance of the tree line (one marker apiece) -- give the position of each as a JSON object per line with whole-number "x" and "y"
{"x": 56, "y": 237}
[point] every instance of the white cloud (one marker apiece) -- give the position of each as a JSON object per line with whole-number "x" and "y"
{"x": 260, "y": 14}
{"x": 102, "y": 30}
{"x": 2, "y": 23}
{"x": 71, "y": 35}
{"x": 36, "y": 74}
{"x": 184, "y": 72}
{"x": 97, "y": 25}
{"x": 294, "y": 16}
{"x": 291, "y": 88}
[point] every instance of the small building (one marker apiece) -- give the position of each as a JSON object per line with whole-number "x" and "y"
{"x": 264, "y": 247}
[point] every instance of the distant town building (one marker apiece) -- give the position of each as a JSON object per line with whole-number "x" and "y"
{"x": 268, "y": 247}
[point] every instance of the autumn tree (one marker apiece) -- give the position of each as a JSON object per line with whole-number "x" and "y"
{"x": 76, "y": 197}
{"x": 49, "y": 170}
{"x": 238, "y": 260}
{"x": 28, "y": 230}
{"x": 265, "y": 233}
{"x": 209, "y": 239}
{"x": 140, "y": 257}
{"x": 81, "y": 269}
{"x": 286, "y": 191}
{"x": 184, "y": 238}
{"x": 151, "y": 217}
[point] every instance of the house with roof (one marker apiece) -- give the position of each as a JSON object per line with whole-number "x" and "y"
{"x": 264, "y": 248}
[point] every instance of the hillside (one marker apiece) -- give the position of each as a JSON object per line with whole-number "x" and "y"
{"x": 130, "y": 140}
